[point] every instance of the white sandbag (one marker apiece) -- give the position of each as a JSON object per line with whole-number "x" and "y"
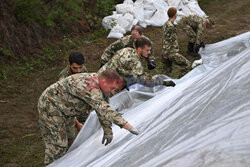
{"x": 160, "y": 5}
{"x": 195, "y": 8}
{"x": 174, "y": 3}
{"x": 148, "y": 14}
{"x": 158, "y": 19}
{"x": 124, "y": 8}
{"x": 110, "y": 21}
{"x": 196, "y": 63}
{"x": 117, "y": 32}
{"x": 151, "y": 12}
{"x": 139, "y": 11}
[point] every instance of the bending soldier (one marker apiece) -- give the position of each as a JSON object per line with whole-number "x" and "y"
{"x": 61, "y": 102}
{"x": 194, "y": 26}
{"x": 127, "y": 41}
{"x": 127, "y": 64}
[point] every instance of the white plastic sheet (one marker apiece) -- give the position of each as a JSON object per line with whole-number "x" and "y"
{"x": 203, "y": 121}
{"x": 146, "y": 12}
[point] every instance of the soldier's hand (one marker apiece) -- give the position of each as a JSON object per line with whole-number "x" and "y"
{"x": 134, "y": 131}
{"x": 131, "y": 129}
{"x": 151, "y": 65}
{"x": 107, "y": 139}
{"x": 78, "y": 125}
{"x": 197, "y": 48}
{"x": 168, "y": 83}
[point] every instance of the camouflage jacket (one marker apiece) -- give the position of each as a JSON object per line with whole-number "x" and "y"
{"x": 77, "y": 93}
{"x": 169, "y": 39}
{"x": 67, "y": 72}
{"x": 128, "y": 65}
{"x": 197, "y": 23}
{"x": 124, "y": 42}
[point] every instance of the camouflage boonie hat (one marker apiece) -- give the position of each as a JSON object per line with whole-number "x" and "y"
{"x": 211, "y": 21}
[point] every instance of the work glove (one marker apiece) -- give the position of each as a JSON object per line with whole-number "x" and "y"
{"x": 168, "y": 83}
{"x": 107, "y": 139}
{"x": 197, "y": 48}
{"x": 134, "y": 131}
{"x": 151, "y": 65}
{"x": 202, "y": 44}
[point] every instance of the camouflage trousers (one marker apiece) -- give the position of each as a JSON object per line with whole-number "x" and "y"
{"x": 58, "y": 133}
{"x": 176, "y": 61}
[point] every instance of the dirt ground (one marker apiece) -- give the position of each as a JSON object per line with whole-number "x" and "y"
{"x": 21, "y": 142}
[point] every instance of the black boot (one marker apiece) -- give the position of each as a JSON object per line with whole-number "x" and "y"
{"x": 202, "y": 44}
{"x": 191, "y": 49}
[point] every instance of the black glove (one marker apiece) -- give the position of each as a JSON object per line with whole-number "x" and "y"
{"x": 101, "y": 65}
{"x": 168, "y": 83}
{"x": 197, "y": 48}
{"x": 202, "y": 44}
{"x": 151, "y": 65}
{"x": 107, "y": 138}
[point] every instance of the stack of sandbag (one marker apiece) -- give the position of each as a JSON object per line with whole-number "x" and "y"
{"x": 146, "y": 12}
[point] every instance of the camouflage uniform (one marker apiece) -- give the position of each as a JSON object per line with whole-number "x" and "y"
{"x": 67, "y": 72}
{"x": 194, "y": 26}
{"x": 128, "y": 65}
{"x": 124, "y": 42}
{"x": 66, "y": 99}
{"x": 83, "y": 117}
{"x": 170, "y": 45}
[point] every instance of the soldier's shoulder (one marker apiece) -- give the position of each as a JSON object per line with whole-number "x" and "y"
{"x": 84, "y": 69}
{"x": 126, "y": 39}
{"x": 126, "y": 53}
{"x": 125, "y": 50}
{"x": 145, "y": 37}
{"x": 81, "y": 78}
{"x": 83, "y": 75}
{"x": 64, "y": 71}
{"x": 169, "y": 24}
{"x": 194, "y": 16}
{"x": 63, "y": 74}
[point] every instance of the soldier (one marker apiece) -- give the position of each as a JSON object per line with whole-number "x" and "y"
{"x": 170, "y": 45}
{"x": 127, "y": 41}
{"x": 62, "y": 101}
{"x": 75, "y": 65}
{"x": 194, "y": 26}
{"x": 127, "y": 64}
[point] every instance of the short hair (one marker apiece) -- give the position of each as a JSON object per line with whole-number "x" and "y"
{"x": 171, "y": 12}
{"x": 110, "y": 75}
{"x": 137, "y": 28}
{"x": 141, "y": 42}
{"x": 76, "y": 57}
